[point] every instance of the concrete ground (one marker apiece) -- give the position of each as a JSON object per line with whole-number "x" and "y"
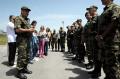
{"x": 56, "y": 65}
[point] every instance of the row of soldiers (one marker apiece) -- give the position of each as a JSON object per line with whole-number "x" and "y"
{"x": 99, "y": 39}
{"x": 58, "y": 40}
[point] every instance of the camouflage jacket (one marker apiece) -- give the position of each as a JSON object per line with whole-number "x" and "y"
{"x": 23, "y": 23}
{"x": 107, "y": 21}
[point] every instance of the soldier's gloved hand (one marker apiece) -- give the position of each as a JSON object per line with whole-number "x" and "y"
{"x": 99, "y": 37}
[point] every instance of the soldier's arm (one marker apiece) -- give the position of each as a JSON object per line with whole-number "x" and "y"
{"x": 114, "y": 18}
{"x": 18, "y": 27}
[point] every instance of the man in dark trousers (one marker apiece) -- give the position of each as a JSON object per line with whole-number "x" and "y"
{"x": 62, "y": 39}
{"x": 11, "y": 40}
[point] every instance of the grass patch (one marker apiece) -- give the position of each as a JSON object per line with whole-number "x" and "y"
{"x": 3, "y": 39}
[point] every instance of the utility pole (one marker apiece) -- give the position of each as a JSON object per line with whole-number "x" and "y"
{"x": 63, "y": 24}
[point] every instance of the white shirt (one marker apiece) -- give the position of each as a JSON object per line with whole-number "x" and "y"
{"x": 10, "y": 32}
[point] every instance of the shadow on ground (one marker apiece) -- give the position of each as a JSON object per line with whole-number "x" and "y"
{"x": 69, "y": 57}
{"x": 80, "y": 70}
{"x": 81, "y": 74}
{"x": 5, "y": 63}
{"x": 11, "y": 72}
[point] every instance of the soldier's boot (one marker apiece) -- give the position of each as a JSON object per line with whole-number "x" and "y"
{"x": 25, "y": 70}
{"x": 21, "y": 75}
{"x": 96, "y": 75}
{"x": 81, "y": 60}
{"x": 74, "y": 58}
{"x": 89, "y": 65}
{"x": 63, "y": 49}
{"x": 97, "y": 70}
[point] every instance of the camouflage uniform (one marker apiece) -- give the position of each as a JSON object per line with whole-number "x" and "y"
{"x": 23, "y": 42}
{"x": 116, "y": 50}
{"x": 87, "y": 41}
{"x": 54, "y": 38}
{"x": 78, "y": 44}
{"x": 107, "y": 25}
{"x": 68, "y": 41}
{"x": 90, "y": 33}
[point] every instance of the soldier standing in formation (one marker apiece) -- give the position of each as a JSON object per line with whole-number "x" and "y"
{"x": 23, "y": 31}
{"x": 107, "y": 26}
{"x": 68, "y": 39}
{"x": 92, "y": 31}
{"x": 54, "y": 40}
{"x": 62, "y": 39}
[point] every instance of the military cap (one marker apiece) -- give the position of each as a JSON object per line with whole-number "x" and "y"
{"x": 91, "y": 7}
{"x": 79, "y": 20}
{"x": 25, "y": 8}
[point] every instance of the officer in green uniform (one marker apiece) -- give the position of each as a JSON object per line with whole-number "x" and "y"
{"x": 92, "y": 31}
{"x": 87, "y": 31}
{"x": 23, "y": 31}
{"x": 107, "y": 26}
{"x": 68, "y": 39}
{"x": 93, "y": 43}
{"x": 79, "y": 47}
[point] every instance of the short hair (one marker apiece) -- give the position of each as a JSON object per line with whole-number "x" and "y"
{"x": 33, "y": 22}
{"x": 10, "y": 17}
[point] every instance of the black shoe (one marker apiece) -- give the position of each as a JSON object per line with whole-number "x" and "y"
{"x": 61, "y": 51}
{"x": 89, "y": 66}
{"x": 91, "y": 72}
{"x": 21, "y": 76}
{"x": 79, "y": 61}
{"x": 11, "y": 64}
{"x": 27, "y": 71}
{"x": 106, "y": 78}
{"x": 96, "y": 75}
{"x": 55, "y": 50}
{"x": 74, "y": 58}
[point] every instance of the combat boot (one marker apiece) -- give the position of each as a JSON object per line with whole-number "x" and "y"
{"x": 20, "y": 75}
{"x": 96, "y": 75}
{"x": 25, "y": 70}
{"x": 89, "y": 66}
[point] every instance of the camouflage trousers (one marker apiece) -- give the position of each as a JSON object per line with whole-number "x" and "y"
{"x": 108, "y": 59}
{"x": 91, "y": 48}
{"x": 23, "y": 53}
{"x": 118, "y": 64}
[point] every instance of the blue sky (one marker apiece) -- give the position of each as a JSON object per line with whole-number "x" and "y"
{"x": 50, "y": 13}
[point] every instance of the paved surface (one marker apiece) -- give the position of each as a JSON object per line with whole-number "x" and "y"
{"x": 56, "y": 65}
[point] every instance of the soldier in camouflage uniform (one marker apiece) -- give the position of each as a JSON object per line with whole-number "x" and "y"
{"x": 93, "y": 43}
{"x": 107, "y": 26}
{"x": 91, "y": 33}
{"x": 78, "y": 41}
{"x": 23, "y": 31}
